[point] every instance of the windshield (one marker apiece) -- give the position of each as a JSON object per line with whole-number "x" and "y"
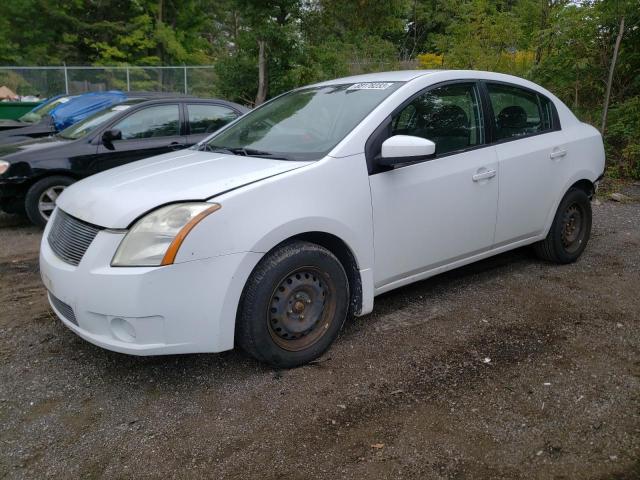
{"x": 301, "y": 125}
{"x": 37, "y": 113}
{"x": 89, "y": 124}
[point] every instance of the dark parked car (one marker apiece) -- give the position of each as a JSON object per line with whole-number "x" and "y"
{"x": 34, "y": 173}
{"x": 61, "y": 112}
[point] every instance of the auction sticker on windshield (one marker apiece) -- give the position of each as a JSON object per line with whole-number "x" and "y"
{"x": 370, "y": 86}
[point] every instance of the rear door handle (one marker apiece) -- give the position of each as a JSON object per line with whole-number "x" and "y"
{"x": 176, "y": 145}
{"x": 557, "y": 154}
{"x": 484, "y": 175}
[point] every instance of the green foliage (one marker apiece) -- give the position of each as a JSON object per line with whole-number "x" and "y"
{"x": 623, "y": 137}
{"x": 564, "y": 45}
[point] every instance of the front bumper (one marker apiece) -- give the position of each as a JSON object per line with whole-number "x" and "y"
{"x": 11, "y": 189}
{"x": 182, "y": 308}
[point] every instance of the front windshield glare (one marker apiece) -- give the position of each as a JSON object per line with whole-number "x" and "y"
{"x": 89, "y": 124}
{"x": 304, "y": 124}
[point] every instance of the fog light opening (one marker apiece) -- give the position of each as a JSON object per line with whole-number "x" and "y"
{"x": 123, "y": 330}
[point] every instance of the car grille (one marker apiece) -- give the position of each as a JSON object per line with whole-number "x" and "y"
{"x": 70, "y": 238}
{"x": 63, "y": 309}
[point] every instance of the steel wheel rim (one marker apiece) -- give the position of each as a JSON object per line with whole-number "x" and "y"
{"x": 573, "y": 227}
{"x": 47, "y": 200}
{"x": 301, "y": 309}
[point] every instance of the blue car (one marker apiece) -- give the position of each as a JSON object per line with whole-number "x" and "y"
{"x": 80, "y": 107}
{"x": 36, "y": 114}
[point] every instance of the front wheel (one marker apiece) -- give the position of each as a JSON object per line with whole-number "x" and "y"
{"x": 293, "y": 305}
{"x": 570, "y": 230}
{"x": 41, "y": 198}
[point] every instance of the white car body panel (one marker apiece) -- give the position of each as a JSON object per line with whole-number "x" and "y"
{"x": 171, "y": 177}
{"x": 401, "y": 225}
{"x": 440, "y": 206}
{"x": 529, "y": 180}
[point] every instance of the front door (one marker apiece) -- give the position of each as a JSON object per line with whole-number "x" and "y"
{"x": 435, "y": 212}
{"x": 147, "y": 132}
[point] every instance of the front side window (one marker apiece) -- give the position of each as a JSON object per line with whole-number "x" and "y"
{"x": 151, "y": 122}
{"x": 518, "y": 112}
{"x": 89, "y": 124}
{"x": 208, "y": 118}
{"x": 304, "y": 124}
{"x": 450, "y": 116}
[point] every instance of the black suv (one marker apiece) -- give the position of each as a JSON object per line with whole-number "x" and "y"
{"x": 34, "y": 173}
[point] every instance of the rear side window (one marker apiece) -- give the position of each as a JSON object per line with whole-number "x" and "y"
{"x": 208, "y": 118}
{"x": 519, "y": 112}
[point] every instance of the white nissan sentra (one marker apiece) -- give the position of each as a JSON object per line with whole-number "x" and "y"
{"x": 274, "y": 230}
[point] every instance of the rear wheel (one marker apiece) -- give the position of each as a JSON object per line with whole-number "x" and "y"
{"x": 41, "y": 198}
{"x": 570, "y": 230}
{"x": 293, "y": 305}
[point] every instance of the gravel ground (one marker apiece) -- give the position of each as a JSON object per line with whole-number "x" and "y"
{"x": 510, "y": 368}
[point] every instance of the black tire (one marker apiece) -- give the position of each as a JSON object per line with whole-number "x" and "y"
{"x": 36, "y": 192}
{"x": 570, "y": 230}
{"x": 294, "y": 280}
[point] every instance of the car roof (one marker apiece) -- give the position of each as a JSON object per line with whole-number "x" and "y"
{"x": 392, "y": 76}
{"x": 169, "y": 99}
{"x": 408, "y": 75}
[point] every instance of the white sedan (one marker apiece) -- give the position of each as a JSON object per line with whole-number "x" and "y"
{"x": 273, "y": 231}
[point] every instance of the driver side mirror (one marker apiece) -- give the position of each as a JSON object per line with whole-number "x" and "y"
{"x": 405, "y": 149}
{"x": 109, "y": 136}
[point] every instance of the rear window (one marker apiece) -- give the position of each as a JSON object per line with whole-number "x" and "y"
{"x": 519, "y": 112}
{"x": 207, "y": 119}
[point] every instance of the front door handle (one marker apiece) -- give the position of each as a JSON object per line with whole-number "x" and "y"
{"x": 176, "y": 146}
{"x": 557, "y": 154}
{"x": 484, "y": 175}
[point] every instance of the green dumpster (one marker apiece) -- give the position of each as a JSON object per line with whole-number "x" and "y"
{"x": 14, "y": 110}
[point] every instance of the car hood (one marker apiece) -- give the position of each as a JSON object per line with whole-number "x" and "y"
{"x": 115, "y": 198}
{"x": 9, "y": 124}
{"x": 28, "y": 145}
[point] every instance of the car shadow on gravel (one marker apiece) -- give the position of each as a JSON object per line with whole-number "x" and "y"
{"x": 396, "y": 299}
{"x": 172, "y": 369}
{"x": 15, "y": 221}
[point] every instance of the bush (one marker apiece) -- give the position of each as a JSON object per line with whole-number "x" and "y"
{"x": 623, "y": 137}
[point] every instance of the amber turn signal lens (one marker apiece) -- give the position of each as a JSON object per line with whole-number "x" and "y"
{"x": 172, "y": 251}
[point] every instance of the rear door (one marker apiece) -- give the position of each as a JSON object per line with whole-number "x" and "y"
{"x": 532, "y": 153}
{"x": 150, "y": 131}
{"x": 205, "y": 118}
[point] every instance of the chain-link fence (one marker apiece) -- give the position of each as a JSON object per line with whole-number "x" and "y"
{"x": 47, "y": 81}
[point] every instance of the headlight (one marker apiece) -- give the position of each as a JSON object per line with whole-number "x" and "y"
{"x": 154, "y": 240}
{"x": 4, "y": 166}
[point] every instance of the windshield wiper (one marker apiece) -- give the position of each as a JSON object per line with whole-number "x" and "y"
{"x": 245, "y": 152}
{"x": 215, "y": 149}
{"x": 252, "y": 152}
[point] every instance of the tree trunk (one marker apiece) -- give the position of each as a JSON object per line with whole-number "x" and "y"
{"x": 544, "y": 17}
{"x": 262, "y": 73}
{"x": 159, "y": 48}
{"x": 610, "y": 79}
